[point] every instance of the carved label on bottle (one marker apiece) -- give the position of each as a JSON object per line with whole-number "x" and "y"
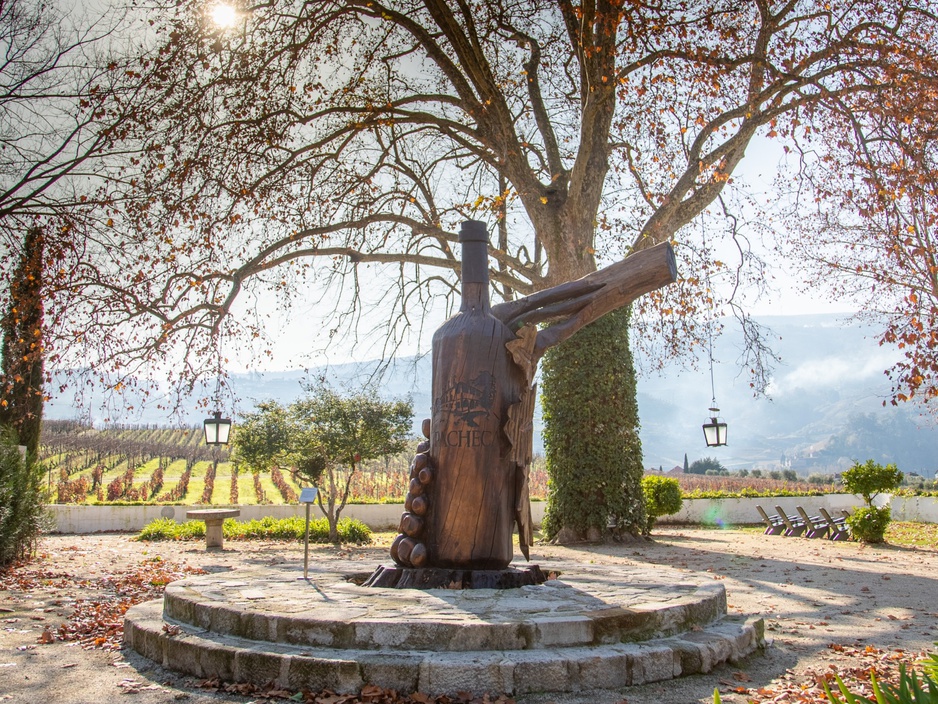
{"x": 469, "y": 405}
{"x": 469, "y": 401}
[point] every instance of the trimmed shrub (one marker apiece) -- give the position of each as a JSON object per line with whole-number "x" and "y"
{"x": 168, "y": 529}
{"x": 662, "y": 498}
{"x": 22, "y": 517}
{"x": 350, "y": 530}
{"x": 869, "y": 523}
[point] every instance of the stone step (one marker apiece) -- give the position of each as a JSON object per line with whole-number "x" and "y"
{"x": 192, "y": 650}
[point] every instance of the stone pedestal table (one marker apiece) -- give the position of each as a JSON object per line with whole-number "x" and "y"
{"x": 214, "y": 518}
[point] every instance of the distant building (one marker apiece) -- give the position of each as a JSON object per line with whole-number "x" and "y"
{"x": 676, "y": 471}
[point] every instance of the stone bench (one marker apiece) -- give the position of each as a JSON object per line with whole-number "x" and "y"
{"x": 213, "y": 517}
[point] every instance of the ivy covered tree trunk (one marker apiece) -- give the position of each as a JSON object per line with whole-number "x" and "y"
{"x": 594, "y": 454}
{"x": 21, "y": 375}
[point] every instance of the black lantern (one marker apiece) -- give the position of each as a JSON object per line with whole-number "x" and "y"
{"x": 714, "y": 431}
{"x": 217, "y": 429}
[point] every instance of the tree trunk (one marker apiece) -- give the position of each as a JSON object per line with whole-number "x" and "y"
{"x": 594, "y": 454}
{"x": 329, "y": 509}
{"x": 591, "y": 425}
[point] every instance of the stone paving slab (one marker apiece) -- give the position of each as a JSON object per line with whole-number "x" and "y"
{"x": 583, "y": 606}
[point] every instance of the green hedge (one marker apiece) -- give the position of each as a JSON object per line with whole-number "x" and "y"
{"x": 748, "y": 494}
{"x": 906, "y": 491}
{"x": 351, "y": 530}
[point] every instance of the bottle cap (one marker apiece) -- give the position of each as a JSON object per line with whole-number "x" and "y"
{"x": 473, "y": 231}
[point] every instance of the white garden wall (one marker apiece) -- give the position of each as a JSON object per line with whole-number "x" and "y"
{"x": 923, "y": 509}
{"x": 718, "y": 512}
{"x": 730, "y": 512}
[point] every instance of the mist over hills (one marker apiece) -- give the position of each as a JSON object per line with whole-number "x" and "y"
{"x": 824, "y": 410}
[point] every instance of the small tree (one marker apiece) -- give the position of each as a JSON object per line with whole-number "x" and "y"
{"x": 662, "y": 498}
{"x": 871, "y": 479}
{"x": 336, "y": 431}
{"x": 868, "y": 480}
{"x": 262, "y": 437}
{"x": 702, "y": 466}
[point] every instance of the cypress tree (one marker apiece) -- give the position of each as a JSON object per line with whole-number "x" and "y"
{"x": 21, "y": 366}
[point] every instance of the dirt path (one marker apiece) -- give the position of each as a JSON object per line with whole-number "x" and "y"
{"x": 824, "y": 603}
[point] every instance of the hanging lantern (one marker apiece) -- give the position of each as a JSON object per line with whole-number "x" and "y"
{"x": 217, "y": 429}
{"x": 714, "y": 431}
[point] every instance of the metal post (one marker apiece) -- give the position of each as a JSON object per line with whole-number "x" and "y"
{"x": 307, "y": 496}
{"x": 306, "y": 546}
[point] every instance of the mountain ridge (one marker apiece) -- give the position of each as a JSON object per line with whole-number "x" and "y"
{"x": 824, "y": 407}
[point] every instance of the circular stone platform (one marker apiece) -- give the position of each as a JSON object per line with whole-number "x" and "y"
{"x": 592, "y": 627}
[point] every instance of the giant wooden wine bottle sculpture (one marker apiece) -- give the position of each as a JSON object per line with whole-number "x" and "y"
{"x": 468, "y": 484}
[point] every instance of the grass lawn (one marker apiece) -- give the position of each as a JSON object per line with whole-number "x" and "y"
{"x": 912, "y": 535}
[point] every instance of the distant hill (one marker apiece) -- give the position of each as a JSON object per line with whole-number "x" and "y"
{"x": 824, "y": 410}
{"x": 825, "y": 405}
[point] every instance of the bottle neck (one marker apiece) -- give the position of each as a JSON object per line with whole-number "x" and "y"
{"x": 475, "y": 276}
{"x": 475, "y": 297}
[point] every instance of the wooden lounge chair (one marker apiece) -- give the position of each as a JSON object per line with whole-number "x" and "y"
{"x": 793, "y": 524}
{"x": 838, "y": 526}
{"x": 773, "y": 524}
{"x": 815, "y": 526}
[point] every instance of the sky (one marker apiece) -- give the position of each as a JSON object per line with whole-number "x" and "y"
{"x": 300, "y": 340}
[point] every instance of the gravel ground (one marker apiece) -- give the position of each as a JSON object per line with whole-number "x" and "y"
{"x": 826, "y": 605}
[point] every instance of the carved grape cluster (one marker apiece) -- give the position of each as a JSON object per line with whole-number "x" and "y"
{"x": 408, "y": 550}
